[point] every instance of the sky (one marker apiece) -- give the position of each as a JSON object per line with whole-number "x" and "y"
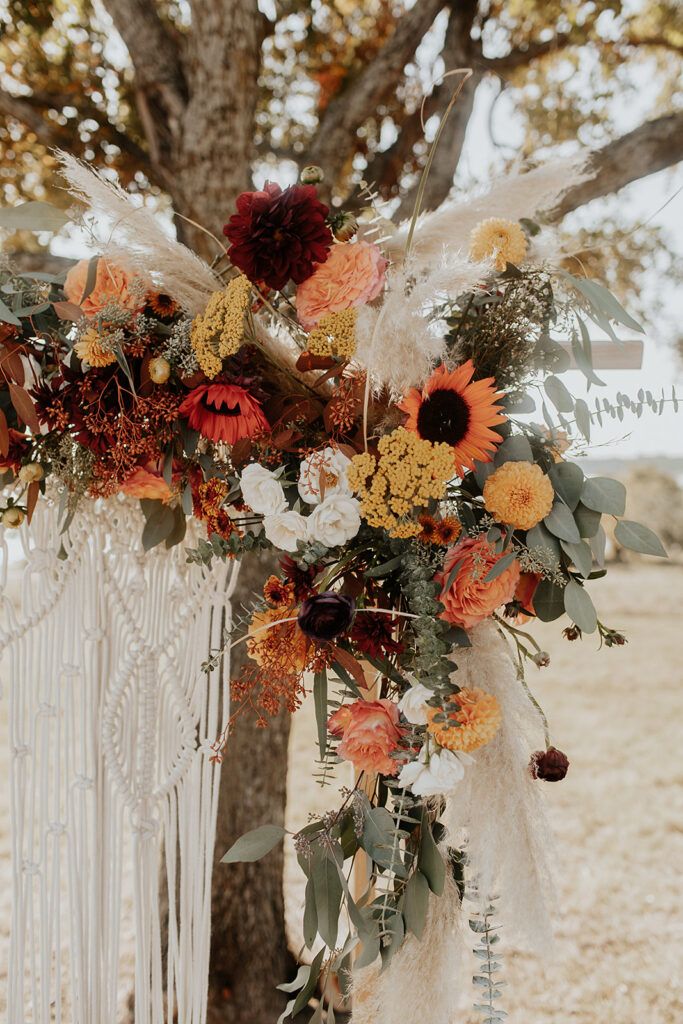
{"x": 657, "y": 200}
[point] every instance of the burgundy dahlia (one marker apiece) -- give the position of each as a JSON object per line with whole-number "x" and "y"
{"x": 551, "y": 765}
{"x": 278, "y": 235}
{"x": 324, "y": 616}
{"x": 373, "y": 635}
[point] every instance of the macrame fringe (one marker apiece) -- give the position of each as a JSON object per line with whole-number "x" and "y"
{"x": 111, "y": 725}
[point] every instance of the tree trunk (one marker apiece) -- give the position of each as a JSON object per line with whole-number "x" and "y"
{"x": 249, "y": 955}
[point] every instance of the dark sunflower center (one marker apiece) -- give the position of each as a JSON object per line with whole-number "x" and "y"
{"x": 222, "y": 408}
{"x": 444, "y": 416}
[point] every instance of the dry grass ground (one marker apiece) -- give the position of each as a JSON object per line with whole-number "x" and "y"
{"x": 618, "y": 817}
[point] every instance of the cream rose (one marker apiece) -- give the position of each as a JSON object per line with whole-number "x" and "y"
{"x": 322, "y": 474}
{"x": 413, "y": 704}
{"x": 262, "y": 491}
{"x": 433, "y": 774}
{"x": 284, "y": 529}
{"x": 335, "y": 521}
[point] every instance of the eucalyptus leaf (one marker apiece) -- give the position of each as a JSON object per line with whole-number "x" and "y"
{"x": 158, "y": 527}
{"x": 602, "y": 494}
{"x": 602, "y": 299}
{"x": 7, "y": 316}
{"x": 310, "y": 915}
{"x": 320, "y": 702}
{"x": 560, "y": 522}
{"x": 587, "y": 520}
{"x": 559, "y": 394}
{"x": 548, "y": 601}
{"x": 379, "y": 840}
{"x": 254, "y": 844}
{"x": 328, "y": 894}
{"x": 429, "y": 860}
{"x": 581, "y": 556}
{"x": 567, "y": 479}
{"x": 416, "y": 903}
{"x": 583, "y": 418}
{"x": 579, "y": 607}
{"x": 33, "y": 216}
{"x": 598, "y": 545}
{"x": 500, "y": 566}
{"x": 640, "y": 538}
{"x": 514, "y": 449}
{"x": 539, "y": 537}
{"x": 309, "y": 985}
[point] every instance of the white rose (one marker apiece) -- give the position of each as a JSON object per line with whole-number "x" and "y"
{"x": 261, "y": 490}
{"x": 335, "y": 521}
{"x": 328, "y": 466}
{"x": 433, "y": 774}
{"x": 284, "y": 529}
{"x": 413, "y": 704}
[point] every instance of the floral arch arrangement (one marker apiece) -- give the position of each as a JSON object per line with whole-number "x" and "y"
{"x": 357, "y": 396}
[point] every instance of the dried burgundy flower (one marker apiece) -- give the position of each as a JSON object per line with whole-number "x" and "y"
{"x": 571, "y": 633}
{"x": 373, "y": 636}
{"x": 324, "y": 616}
{"x": 542, "y": 659}
{"x": 279, "y": 235}
{"x": 550, "y": 765}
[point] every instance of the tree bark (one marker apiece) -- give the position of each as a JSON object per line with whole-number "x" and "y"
{"x": 249, "y": 954}
{"x": 651, "y": 147}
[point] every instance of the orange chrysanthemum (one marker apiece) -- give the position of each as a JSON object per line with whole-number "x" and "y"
{"x": 473, "y": 720}
{"x": 502, "y": 241}
{"x": 90, "y": 350}
{"x": 453, "y": 409}
{"x": 519, "y": 494}
{"x": 161, "y": 304}
{"x": 279, "y": 593}
{"x": 448, "y": 531}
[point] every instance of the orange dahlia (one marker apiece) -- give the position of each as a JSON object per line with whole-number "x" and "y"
{"x": 453, "y": 409}
{"x": 224, "y": 412}
{"x": 473, "y": 718}
{"x": 519, "y": 494}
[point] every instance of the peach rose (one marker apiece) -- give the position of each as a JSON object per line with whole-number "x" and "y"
{"x": 370, "y": 732}
{"x": 470, "y": 599}
{"x": 352, "y": 275}
{"x": 142, "y": 483}
{"x": 112, "y": 284}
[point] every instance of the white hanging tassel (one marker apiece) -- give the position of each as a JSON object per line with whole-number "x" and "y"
{"x": 497, "y": 809}
{"x": 426, "y": 978}
{"x": 111, "y": 725}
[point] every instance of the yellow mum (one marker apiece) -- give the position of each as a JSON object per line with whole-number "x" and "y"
{"x": 218, "y": 331}
{"x": 473, "y": 721}
{"x": 89, "y": 349}
{"x": 335, "y": 334}
{"x": 409, "y": 473}
{"x": 519, "y": 494}
{"x": 501, "y": 240}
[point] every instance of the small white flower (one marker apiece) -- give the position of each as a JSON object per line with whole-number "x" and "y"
{"x": 413, "y": 704}
{"x": 433, "y": 774}
{"x": 327, "y": 467}
{"x": 261, "y": 490}
{"x": 284, "y": 529}
{"x": 335, "y": 521}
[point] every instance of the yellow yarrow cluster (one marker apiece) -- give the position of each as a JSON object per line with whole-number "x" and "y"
{"x": 335, "y": 334}
{"x": 474, "y": 722}
{"x": 519, "y": 494}
{"x": 501, "y": 240}
{"x": 218, "y": 331}
{"x": 409, "y": 473}
{"x": 89, "y": 349}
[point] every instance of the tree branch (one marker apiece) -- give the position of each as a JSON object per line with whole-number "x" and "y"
{"x": 651, "y": 147}
{"x": 22, "y": 110}
{"x": 364, "y": 93}
{"x": 523, "y": 55}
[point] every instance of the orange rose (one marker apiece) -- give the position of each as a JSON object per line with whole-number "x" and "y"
{"x": 352, "y": 275}
{"x": 370, "y": 732}
{"x": 470, "y": 599}
{"x": 112, "y": 284}
{"x": 145, "y": 484}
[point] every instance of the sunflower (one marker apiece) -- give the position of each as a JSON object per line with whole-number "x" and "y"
{"x": 454, "y": 410}
{"x": 224, "y": 412}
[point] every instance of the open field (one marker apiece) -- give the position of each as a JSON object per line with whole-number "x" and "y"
{"x": 618, "y": 816}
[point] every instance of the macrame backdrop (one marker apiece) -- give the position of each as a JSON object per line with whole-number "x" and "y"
{"x": 112, "y": 788}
